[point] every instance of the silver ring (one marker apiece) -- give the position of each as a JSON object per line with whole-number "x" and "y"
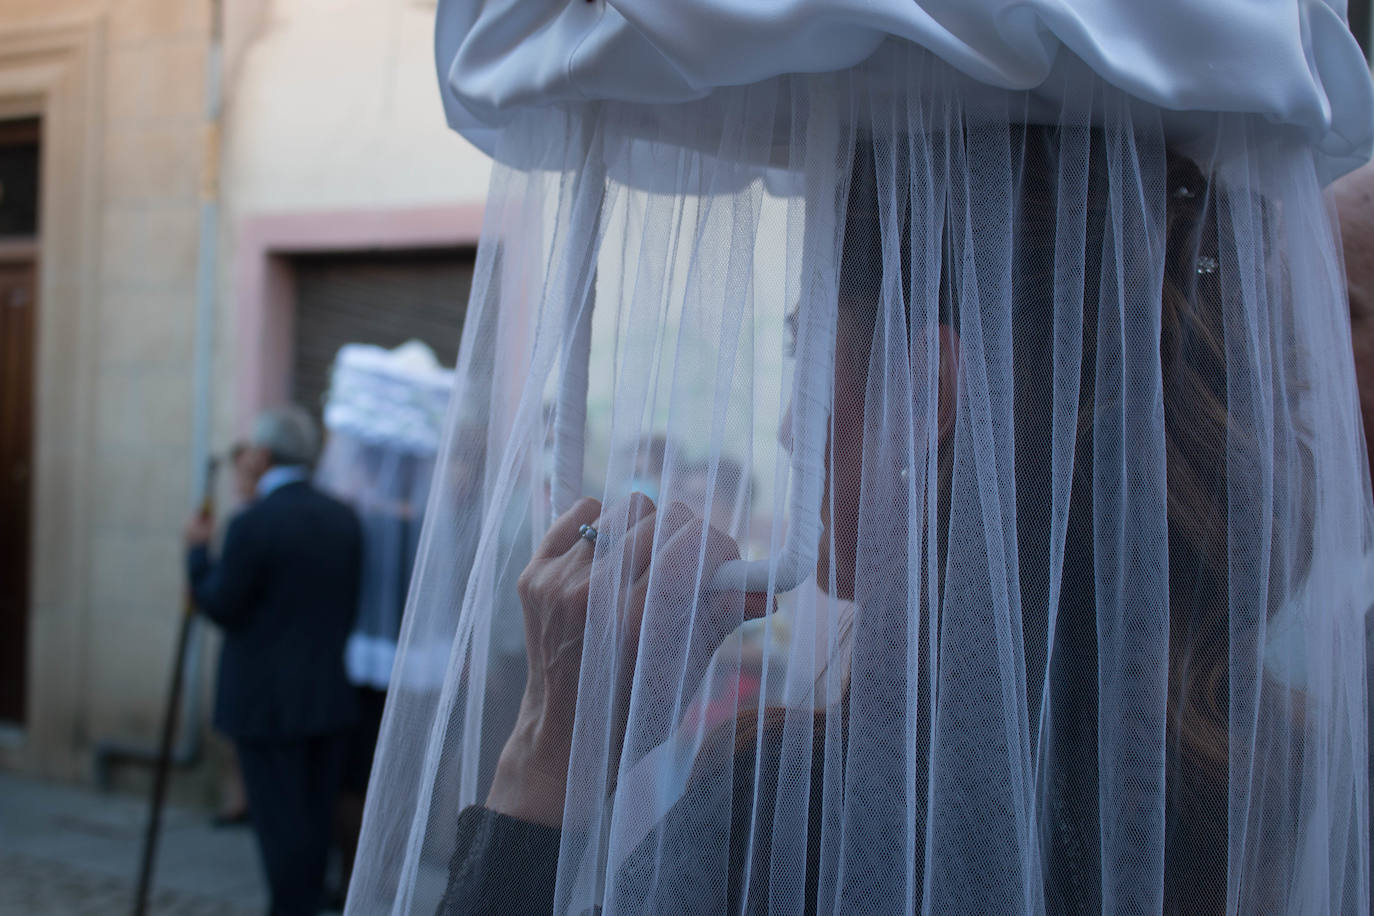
{"x": 587, "y": 533}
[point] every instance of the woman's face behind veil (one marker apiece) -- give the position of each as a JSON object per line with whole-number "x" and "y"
{"x": 845, "y": 461}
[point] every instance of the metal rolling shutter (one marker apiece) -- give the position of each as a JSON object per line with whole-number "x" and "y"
{"x": 382, "y": 298}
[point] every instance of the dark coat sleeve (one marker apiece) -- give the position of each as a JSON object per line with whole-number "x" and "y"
{"x": 504, "y": 865}
{"x": 226, "y": 591}
{"x": 501, "y": 865}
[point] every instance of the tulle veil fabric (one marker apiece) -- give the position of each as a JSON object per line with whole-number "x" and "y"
{"x": 1034, "y": 414}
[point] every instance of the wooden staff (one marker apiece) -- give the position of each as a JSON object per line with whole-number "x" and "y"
{"x": 169, "y": 721}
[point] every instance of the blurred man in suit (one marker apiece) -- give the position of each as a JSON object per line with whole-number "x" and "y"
{"x": 285, "y": 590}
{"x": 248, "y": 469}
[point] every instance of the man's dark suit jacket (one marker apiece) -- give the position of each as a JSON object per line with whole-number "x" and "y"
{"x": 285, "y": 590}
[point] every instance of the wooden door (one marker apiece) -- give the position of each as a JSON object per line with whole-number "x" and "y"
{"x": 16, "y": 460}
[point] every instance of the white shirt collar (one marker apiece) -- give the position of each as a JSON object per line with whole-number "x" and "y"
{"x": 278, "y": 477}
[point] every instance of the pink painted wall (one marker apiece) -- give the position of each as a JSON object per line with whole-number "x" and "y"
{"x": 264, "y": 295}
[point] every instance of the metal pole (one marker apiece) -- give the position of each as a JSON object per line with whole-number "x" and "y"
{"x": 203, "y": 465}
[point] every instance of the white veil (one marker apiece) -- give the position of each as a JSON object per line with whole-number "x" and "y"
{"x": 383, "y": 415}
{"x": 1033, "y": 412}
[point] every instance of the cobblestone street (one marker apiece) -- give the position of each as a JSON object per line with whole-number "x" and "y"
{"x": 69, "y": 851}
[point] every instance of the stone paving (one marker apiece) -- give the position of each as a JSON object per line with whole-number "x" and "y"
{"x": 70, "y": 851}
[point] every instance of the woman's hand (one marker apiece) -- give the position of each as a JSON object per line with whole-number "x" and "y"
{"x": 199, "y": 529}
{"x": 531, "y": 777}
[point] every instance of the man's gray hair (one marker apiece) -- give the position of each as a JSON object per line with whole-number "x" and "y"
{"x": 289, "y": 433}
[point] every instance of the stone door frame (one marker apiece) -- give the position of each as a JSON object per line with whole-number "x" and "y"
{"x": 53, "y": 72}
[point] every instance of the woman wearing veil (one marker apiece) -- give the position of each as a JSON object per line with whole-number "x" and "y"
{"x": 1044, "y": 589}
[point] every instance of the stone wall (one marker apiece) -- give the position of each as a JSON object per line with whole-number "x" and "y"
{"x": 119, "y": 86}
{"x": 329, "y": 106}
